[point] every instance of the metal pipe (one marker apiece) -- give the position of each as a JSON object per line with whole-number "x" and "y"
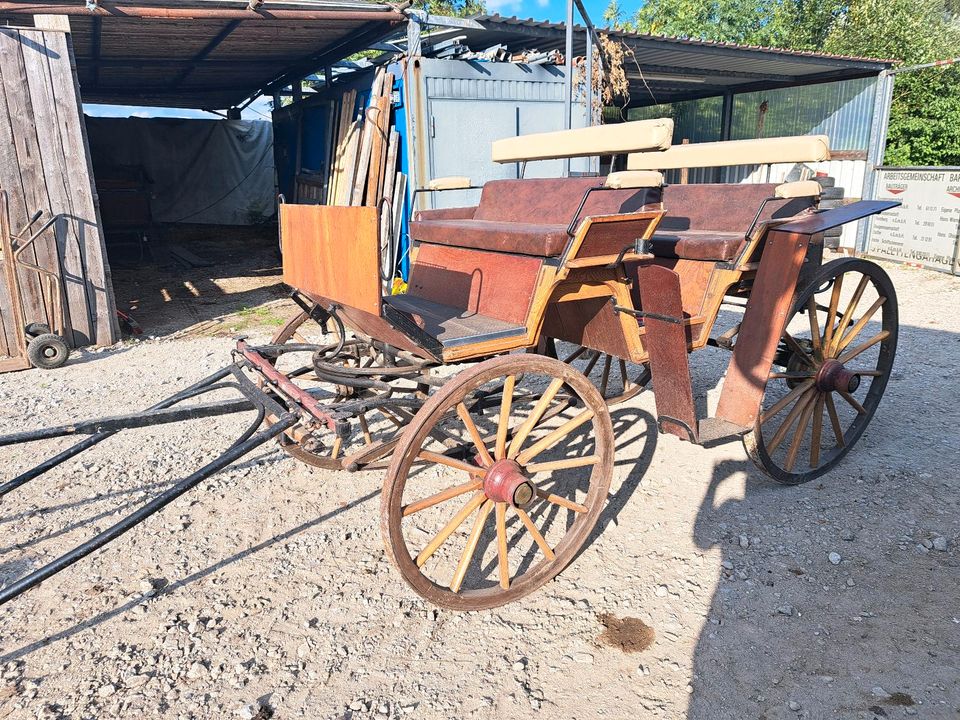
{"x": 98, "y": 541}
{"x": 878, "y": 143}
{"x": 89, "y": 442}
{"x": 116, "y": 423}
{"x": 568, "y": 84}
{"x": 117, "y": 10}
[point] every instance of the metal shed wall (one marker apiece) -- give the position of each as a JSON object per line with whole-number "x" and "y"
{"x": 465, "y": 106}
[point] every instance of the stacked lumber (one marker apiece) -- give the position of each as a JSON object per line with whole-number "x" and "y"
{"x": 365, "y": 148}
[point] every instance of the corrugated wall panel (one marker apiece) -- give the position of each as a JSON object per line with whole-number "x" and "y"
{"x": 841, "y": 110}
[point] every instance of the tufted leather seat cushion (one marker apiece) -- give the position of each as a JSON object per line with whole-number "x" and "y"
{"x": 698, "y": 245}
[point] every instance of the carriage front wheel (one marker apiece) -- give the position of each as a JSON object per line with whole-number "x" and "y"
{"x": 829, "y": 373}
{"x": 498, "y": 481}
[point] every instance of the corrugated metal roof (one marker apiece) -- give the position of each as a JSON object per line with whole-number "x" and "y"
{"x": 668, "y": 69}
{"x": 207, "y": 54}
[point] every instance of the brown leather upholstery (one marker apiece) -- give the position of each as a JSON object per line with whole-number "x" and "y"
{"x": 698, "y": 245}
{"x": 529, "y": 217}
{"x": 513, "y": 237}
{"x": 709, "y": 222}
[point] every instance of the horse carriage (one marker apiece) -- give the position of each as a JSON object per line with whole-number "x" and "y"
{"x": 483, "y": 391}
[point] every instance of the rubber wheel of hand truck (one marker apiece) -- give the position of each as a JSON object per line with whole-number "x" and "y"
{"x": 48, "y": 351}
{"x": 36, "y": 329}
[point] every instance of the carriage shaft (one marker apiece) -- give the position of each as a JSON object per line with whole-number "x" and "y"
{"x": 234, "y": 452}
{"x": 116, "y": 423}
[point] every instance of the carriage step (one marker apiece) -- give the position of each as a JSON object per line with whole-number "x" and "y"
{"x": 450, "y": 326}
{"x": 716, "y": 430}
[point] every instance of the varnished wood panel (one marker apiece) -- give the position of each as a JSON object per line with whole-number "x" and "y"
{"x": 498, "y": 285}
{"x": 333, "y": 252}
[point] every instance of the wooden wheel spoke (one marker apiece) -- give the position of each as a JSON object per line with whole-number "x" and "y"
{"x": 535, "y": 415}
{"x": 471, "y": 427}
{"x": 575, "y": 354}
{"x": 537, "y": 536}
{"x": 563, "y": 464}
{"x": 605, "y": 377}
{"x": 832, "y": 311}
{"x": 454, "y": 463}
{"x": 795, "y": 412}
{"x": 471, "y": 546}
{"x": 440, "y": 497}
{"x": 816, "y": 432}
{"x": 798, "y": 349}
{"x": 790, "y": 375}
{"x": 860, "y": 324}
{"x": 854, "y": 403}
{"x": 786, "y": 400}
{"x": 623, "y": 374}
{"x": 503, "y": 426}
{"x": 835, "y": 420}
{"x": 502, "y": 546}
{"x": 552, "y": 438}
{"x": 864, "y": 346}
{"x": 848, "y": 315}
{"x": 814, "y": 326}
{"x": 591, "y": 364}
{"x": 455, "y": 522}
{"x": 561, "y": 501}
{"x": 798, "y": 436}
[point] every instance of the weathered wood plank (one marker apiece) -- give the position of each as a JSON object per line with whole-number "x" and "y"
{"x": 100, "y": 297}
{"x": 21, "y": 170}
{"x": 54, "y": 168}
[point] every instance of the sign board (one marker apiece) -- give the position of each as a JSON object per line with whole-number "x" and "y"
{"x": 925, "y": 229}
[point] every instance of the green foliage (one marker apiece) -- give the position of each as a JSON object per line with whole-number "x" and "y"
{"x": 452, "y": 8}
{"x": 925, "y": 118}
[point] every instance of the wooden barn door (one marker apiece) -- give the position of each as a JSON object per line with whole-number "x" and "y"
{"x": 45, "y": 165}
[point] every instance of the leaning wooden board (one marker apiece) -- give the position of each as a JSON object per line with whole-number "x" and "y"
{"x": 46, "y": 166}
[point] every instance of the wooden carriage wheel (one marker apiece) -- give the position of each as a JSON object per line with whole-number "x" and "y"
{"x": 830, "y": 372}
{"x": 611, "y": 374}
{"x": 355, "y": 356}
{"x": 506, "y": 508}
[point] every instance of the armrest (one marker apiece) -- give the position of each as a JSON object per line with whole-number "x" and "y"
{"x": 452, "y": 182}
{"x": 799, "y": 188}
{"x": 454, "y": 213}
{"x": 821, "y": 221}
{"x": 630, "y": 179}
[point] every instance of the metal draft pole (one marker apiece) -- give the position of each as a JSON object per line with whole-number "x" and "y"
{"x": 568, "y": 85}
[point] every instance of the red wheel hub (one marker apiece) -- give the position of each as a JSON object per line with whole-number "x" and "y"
{"x": 506, "y": 482}
{"x": 834, "y": 377}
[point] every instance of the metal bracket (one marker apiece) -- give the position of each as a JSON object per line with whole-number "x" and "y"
{"x": 641, "y": 314}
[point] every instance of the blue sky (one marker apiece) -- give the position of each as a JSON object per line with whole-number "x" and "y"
{"x": 554, "y": 10}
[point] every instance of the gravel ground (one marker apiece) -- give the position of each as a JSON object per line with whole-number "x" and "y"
{"x": 707, "y": 591}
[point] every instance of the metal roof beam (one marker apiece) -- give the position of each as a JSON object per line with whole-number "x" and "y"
{"x": 207, "y": 49}
{"x": 188, "y": 11}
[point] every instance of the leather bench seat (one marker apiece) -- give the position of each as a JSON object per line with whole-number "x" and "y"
{"x": 512, "y": 237}
{"x": 698, "y": 245}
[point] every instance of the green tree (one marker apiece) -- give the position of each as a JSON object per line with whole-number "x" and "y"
{"x": 925, "y": 118}
{"x": 452, "y": 8}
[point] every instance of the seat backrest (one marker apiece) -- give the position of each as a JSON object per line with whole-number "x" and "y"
{"x": 554, "y": 201}
{"x": 724, "y": 207}
{"x": 762, "y": 151}
{"x": 637, "y": 136}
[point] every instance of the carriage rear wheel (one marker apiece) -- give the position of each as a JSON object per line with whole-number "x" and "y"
{"x": 351, "y": 357}
{"x": 617, "y": 379}
{"x": 829, "y": 374}
{"x": 493, "y": 516}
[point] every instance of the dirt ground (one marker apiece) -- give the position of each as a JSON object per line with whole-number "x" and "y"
{"x": 706, "y": 592}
